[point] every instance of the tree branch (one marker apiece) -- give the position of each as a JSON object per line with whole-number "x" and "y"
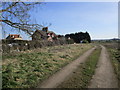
{"x": 28, "y": 28}
{"x": 13, "y": 4}
{"x": 16, "y": 15}
{"x": 31, "y": 3}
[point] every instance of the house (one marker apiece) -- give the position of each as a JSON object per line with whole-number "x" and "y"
{"x": 44, "y": 34}
{"x": 14, "y": 37}
{"x": 39, "y": 35}
{"x": 51, "y": 36}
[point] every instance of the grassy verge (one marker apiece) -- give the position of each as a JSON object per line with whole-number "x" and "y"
{"x": 27, "y": 69}
{"x": 115, "y": 58}
{"x": 81, "y": 77}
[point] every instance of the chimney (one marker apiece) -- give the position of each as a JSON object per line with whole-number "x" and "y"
{"x": 45, "y": 29}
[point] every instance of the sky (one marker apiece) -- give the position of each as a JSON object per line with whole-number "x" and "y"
{"x": 99, "y": 19}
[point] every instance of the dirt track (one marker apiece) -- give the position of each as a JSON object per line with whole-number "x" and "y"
{"x": 104, "y": 75}
{"x": 61, "y": 75}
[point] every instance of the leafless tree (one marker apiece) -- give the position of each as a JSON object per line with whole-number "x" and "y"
{"x": 17, "y": 15}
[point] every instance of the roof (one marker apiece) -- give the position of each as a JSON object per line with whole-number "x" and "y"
{"x": 14, "y": 35}
{"x": 50, "y": 32}
{"x": 40, "y": 32}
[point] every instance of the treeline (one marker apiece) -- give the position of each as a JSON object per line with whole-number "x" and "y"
{"x": 79, "y": 37}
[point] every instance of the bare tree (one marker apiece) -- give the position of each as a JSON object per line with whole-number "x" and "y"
{"x": 17, "y": 15}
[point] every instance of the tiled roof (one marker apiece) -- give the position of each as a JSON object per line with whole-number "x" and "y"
{"x": 14, "y": 35}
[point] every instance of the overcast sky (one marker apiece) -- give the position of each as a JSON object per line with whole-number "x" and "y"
{"x": 100, "y": 19}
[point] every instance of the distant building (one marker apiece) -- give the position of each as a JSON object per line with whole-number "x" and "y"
{"x": 14, "y": 37}
{"x": 51, "y": 36}
{"x": 44, "y": 34}
{"x": 39, "y": 35}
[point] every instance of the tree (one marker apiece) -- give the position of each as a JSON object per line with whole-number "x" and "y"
{"x": 17, "y": 15}
{"x": 80, "y": 36}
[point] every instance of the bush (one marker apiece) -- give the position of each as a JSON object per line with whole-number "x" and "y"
{"x": 70, "y": 41}
{"x": 22, "y": 45}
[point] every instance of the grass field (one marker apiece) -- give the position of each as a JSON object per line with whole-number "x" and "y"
{"x": 27, "y": 69}
{"x": 82, "y": 76}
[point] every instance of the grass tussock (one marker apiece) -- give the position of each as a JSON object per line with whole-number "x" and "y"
{"x": 82, "y": 76}
{"x": 27, "y": 69}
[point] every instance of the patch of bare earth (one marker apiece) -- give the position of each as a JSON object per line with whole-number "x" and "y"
{"x": 104, "y": 74}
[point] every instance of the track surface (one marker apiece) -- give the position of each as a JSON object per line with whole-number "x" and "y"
{"x": 104, "y": 74}
{"x": 60, "y": 76}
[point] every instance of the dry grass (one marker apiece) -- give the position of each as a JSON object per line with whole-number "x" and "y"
{"x": 26, "y": 69}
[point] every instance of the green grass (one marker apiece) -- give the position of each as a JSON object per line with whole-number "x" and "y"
{"x": 115, "y": 58}
{"x": 27, "y": 69}
{"x": 82, "y": 76}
